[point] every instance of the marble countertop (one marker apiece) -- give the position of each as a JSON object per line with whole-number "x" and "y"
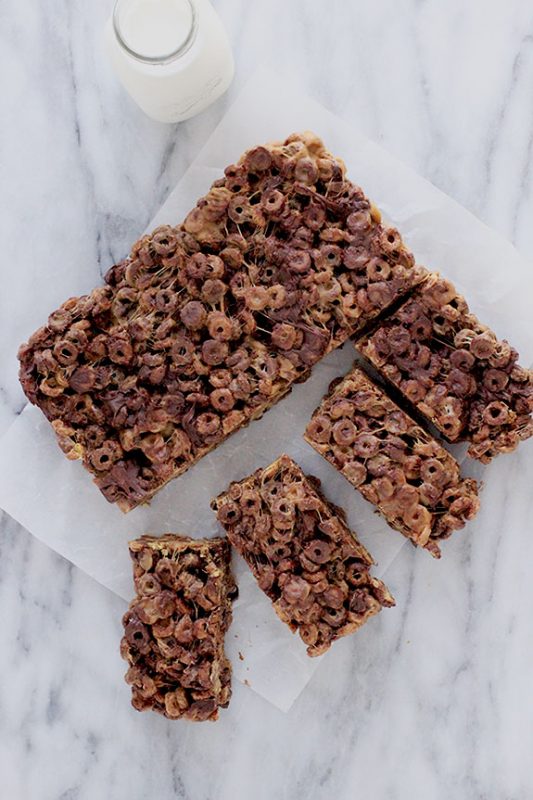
{"x": 434, "y": 701}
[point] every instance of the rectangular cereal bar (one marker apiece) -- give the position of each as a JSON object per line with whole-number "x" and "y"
{"x": 454, "y": 370}
{"x": 174, "y": 628}
{"x": 303, "y": 555}
{"x": 395, "y": 464}
{"x": 208, "y": 324}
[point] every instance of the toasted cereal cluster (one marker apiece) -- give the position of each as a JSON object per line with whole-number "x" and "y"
{"x": 454, "y": 370}
{"x": 395, "y": 464}
{"x": 174, "y": 628}
{"x": 206, "y": 325}
{"x": 303, "y": 555}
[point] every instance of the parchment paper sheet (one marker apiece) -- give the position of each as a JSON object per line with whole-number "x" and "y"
{"x": 56, "y": 500}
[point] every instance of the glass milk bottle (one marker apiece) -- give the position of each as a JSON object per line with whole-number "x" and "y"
{"x": 172, "y": 56}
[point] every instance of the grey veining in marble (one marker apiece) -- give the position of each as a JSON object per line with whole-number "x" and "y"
{"x": 433, "y": 701}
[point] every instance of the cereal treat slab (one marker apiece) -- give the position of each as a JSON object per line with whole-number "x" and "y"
{"x": 454, "y": 370}
{"x": 302, "y": 553}
{"x": 413, "y": 481}
{"x": 208, "y": 324}
{"x": 174, "y": 628}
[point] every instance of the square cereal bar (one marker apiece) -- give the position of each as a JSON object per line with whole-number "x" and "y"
{"x": 206, "y": 325}
{"x": 395, "y": 464}
{"x": 174, "y": 628}
{"x": 454, "y": 370}
{"x": 303, "y": 555}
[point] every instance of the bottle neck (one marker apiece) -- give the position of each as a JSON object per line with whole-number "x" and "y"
{"x": 155, "y": 31}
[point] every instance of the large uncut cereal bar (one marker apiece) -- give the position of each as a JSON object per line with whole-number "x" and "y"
{"x": 208, "y": 324}
{"x": 454, "y": 370}
{"x": 303, "y": 555}
{"x": 174, "y": 628}
{"x": 395, "y": 464}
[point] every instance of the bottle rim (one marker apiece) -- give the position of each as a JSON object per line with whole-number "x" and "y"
{"x": 164, "y": 58}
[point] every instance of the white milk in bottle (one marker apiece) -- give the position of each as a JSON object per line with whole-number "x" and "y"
{"x": 172, "y": 56}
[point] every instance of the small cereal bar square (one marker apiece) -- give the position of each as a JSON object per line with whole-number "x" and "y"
{"x": 174, "y": 628}
{"x": 302, "y": 553}
{"x": 454, "y": 370}
{"x": 395, "y": 464}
